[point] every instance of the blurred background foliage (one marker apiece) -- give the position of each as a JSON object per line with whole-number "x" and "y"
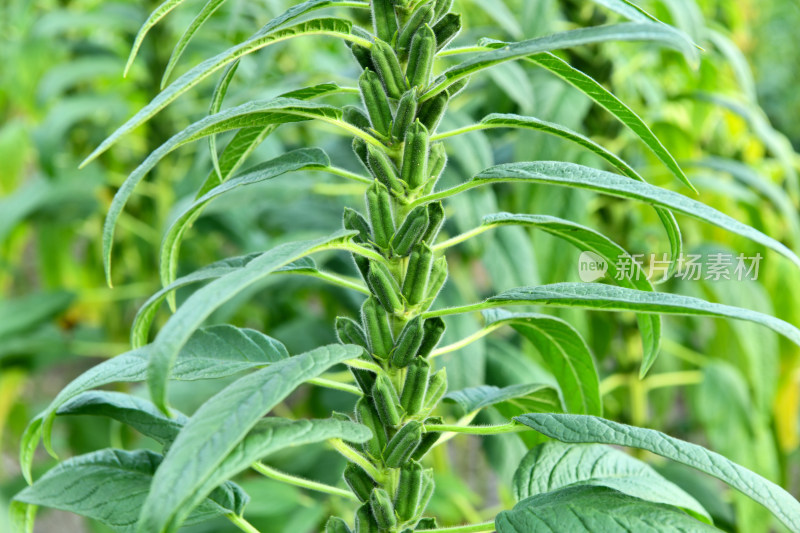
{"x": 732, "y": 122}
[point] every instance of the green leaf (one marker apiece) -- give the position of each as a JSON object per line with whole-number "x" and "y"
{"x": 588, "y": 429}
{"x": 555, "y": 465}
{"x": 628, "y": 10}
{"x": 199, "y": 306}
{"x": 20, "y": 314}
{"x": 301, "y": 159}
{"x": 213, "y": 352}
{"x": 208, "y": 9}
{"x": 158, "y": 13}
{"x": 258, "y": 113}
{"x": 594, "y": 509}
{"x": 219, "y": 425}
{"x": 627, "y": 31}
{"x": 572, "y": 175}
{"x": 110, "y": 486}
{"x": 21, "y": 517}
{"x": 542, "y": 398}
{"x": 589, "y": 240}
{"x": 322, "y": 26}
{"x": 564, "y": 351}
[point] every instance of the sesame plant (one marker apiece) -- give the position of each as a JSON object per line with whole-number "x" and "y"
{"x": 571, "y": 479}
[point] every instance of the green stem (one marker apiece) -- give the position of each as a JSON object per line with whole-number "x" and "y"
{"x": 465, "y": 341}
{"x": 241, "y": 523}
{"x": 673, "y": 379}
{"x": 355, "y": 457}
{"x": 328, "y": 384}
{"x": 459, "y": 310}
{"x": 277, "y": 475}
{"x": 511, "y": 427}
{"x": 461, "y": 238}
{"x": 471, "y": 528}
{"x": 344, "y": 173}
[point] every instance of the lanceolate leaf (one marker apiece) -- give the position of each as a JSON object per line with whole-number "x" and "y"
{"x": 588, "y": 509}
{"x": 111, "y": 485}
{"x": 579, "y": 176}
{"x": 588, "y": 429}
{"x": 302, "y": 159}
{"x": 204, "y": 14}
{"x": 191, "y": 315}
{"x": 564, "y": 351}
{"x": 628, "y": 31}
{"x": 628, "y": 10}
{"x": 213, "y": 352}
{"x": 555, "y": 465}
{"x": 158, "y": 13}
{"x": 542, "y": 397}
{"x": 219, "y": 425}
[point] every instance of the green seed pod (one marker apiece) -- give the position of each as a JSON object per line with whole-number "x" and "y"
{"x": 367, "y": 415}
{"x": 414, "y": 169}
{"x": 436, "y": 165}
{"x": 382, "y": 508}
{"x": 420, "y": 57}
{"x": 362, "y": 55}
{"x": 426, "y": 523}
{"x": 432, "y": 110}
{"x": 379, "y": 207}
{"x": 415, "y": 386}
{"x": 360, "y": 149}
{"x": 359, "y": 481}
{"x": 365, "y": 521}
{"x": 435, "y": 220}
{"x": 408, "y": 342}
{"x": 336, "y": 525}
{"x": 446, "y": 29}
{"x": 406, "y": 111}
{"x": 364, "y": 378}
{"x": 417, "y": 273}
{"x": 455, "y": 88}
{"x": 433, "y": 329}
{"x": 402, "y": 445}
{"x": 385, "y": 287}
{"x": 388, "y": 67}
{"x": 383, "y": 169}
{"x": 377, "y": 327}
{"x": 362, "y": 264}
{"x": 429, "y": 439}
{"x": 387, "y": 404}
{"x": 409, "y": 490}
{"x": 350, "y": 332}
{"x": 441, "y": 7}
{"x": 354, "y": 221}
{"x": 423, "y": 15}
{"x": 354, "y": 116}
{"x": 437, "y": 279}
{"x": 437, "y": 387}
{"x": 374, "y": 97}
{"x": 411, "y": 231}
{"x": 384, "y": 19}
{"x": 427, "y": 489}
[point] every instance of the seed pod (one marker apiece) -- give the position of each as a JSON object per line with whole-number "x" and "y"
{"x": 336, "y": 525}
{"x": 356, "y": 117}
{"x": 362, "y": 264}
{"x": 420, "y": 57}
{"x": 350, "y": 332}
{"x": 388, "y": 67}
{"x": 414, "y": 169}
{"x": 417, "y": 273}
{"x": 435, "y": 220}
{"x": 427, "y": 489}
{"x": 408, "y": 342}
{"x": 424, "y": 524}
{"x": 415, "y": 386}
{"x": 437, "y": 387}
{"x": 382, "y": 508}
{"x": 374, "y": 97}
{"x": 446, "y": 29}
{"x": 364, "y": 378}
{"x": 409, "y": 490}
{"x": 383, "y": 169}
{"x": 423, "y": 15}
{"x": 359, "y": 481}
{"x": 441, "y": 7}
{"x": 433, "y": 329}
{"x": 385, "y": 287}
{"x": 360, "y": 149}
{"x": 429, "y": 439}
{"x": 384, "y": 19}
{"x": 403, "y": 444}
{"x": 436, "y": 165}
{"x": 379, "y": 207}
{"x": 365, "y": 521}
{"x": 367, "y": 415}
{"x": 354, "y": 221}
{"x": 406, "y": 111}
{"x": 377, "y": 327}
{"x": 432, "y": 110}
{"x": 411, "y": 231}
{"x": 437, "y": 279}
{"x": 456, "y": 87}
{"x": 387, "y": 404}
{"x": 362, "y": 55}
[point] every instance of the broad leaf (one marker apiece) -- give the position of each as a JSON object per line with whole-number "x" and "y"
{"x": 628, "y": 31}
{"x": 588, "y": 429}
{"x": 302, "y": 159}
{"x": 555, "y": 465}
{"x": 199, "y": 306}
{"x": 539, "y": 397}
{"x": 219, "y": 425}
{"x": 111, "y": 485}
{"x": 588, "y": 509}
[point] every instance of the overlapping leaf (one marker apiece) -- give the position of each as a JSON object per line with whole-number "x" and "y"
{"x": 536, "y": 396}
